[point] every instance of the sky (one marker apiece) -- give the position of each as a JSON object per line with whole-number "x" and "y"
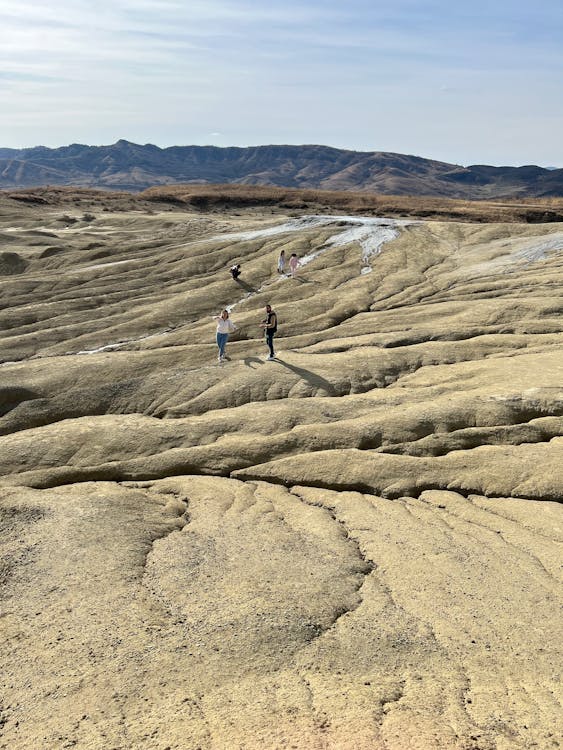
{"x": 477, "y": 82}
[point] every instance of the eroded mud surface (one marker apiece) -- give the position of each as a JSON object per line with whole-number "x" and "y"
{"x": 355, "y": 546}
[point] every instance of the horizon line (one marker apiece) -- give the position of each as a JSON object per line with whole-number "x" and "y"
{"x": 270, "y": 145}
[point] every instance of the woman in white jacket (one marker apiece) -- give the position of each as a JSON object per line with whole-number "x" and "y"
{"x": 224, "y": 327}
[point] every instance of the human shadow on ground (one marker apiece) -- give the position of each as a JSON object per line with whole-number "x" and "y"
{"x": 317, "y": 381}
{"x": 252, "y": 362}
{"x": 247, "y": 287}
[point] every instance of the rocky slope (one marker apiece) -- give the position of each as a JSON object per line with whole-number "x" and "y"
{"x": 130, "y": 166}
{"x": 357, "y": 545}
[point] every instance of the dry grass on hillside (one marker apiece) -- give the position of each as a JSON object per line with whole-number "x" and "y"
{"x": 241, "y": 196}
{"x": 247, "y": 197}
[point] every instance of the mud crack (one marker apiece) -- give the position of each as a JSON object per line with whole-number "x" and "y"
{"x": 366, "y": 565}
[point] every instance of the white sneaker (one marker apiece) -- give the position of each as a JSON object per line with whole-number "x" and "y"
{"x": 270, "y": 357}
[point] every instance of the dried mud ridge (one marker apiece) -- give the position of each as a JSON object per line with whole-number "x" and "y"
{"x": 356, "y": 546}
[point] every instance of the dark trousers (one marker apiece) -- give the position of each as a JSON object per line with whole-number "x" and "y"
{"x": 270, "y": 341}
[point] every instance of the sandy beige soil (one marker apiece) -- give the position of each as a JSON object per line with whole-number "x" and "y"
{"x": 356, "y": 546}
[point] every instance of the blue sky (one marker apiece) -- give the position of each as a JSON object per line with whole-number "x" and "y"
{"x": 475, "y": 82}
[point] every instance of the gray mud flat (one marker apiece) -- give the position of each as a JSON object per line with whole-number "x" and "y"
{"x": 356, "y": 546}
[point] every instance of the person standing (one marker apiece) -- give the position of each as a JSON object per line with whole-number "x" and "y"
{"x": 235, "y": 271}
{"x": 224, "y": 326}
{"x": 294, "y": 264}
{"x": 281, "y": 262}
{"x": 270, "y": 326}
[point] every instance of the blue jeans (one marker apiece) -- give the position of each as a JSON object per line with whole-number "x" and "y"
{"x": 222, "y": 343}
{"x": 270, "y": 341}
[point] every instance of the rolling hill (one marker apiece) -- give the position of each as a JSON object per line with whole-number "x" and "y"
{"x": 129, "y": 166}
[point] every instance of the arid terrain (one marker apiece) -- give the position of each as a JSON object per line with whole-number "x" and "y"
{"x": 356, "y": 546}
{"x": 132, "y": 166}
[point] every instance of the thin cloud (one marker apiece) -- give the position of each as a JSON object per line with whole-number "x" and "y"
{"x": 361, "y": 74}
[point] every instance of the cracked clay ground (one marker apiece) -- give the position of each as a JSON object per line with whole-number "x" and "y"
{"x": 354, "y": 547}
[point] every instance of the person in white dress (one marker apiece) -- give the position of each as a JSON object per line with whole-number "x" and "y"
{"x": 294, "y": 264}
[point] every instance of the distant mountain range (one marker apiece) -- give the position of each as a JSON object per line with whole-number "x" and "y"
{"x": 129, "y": 166}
